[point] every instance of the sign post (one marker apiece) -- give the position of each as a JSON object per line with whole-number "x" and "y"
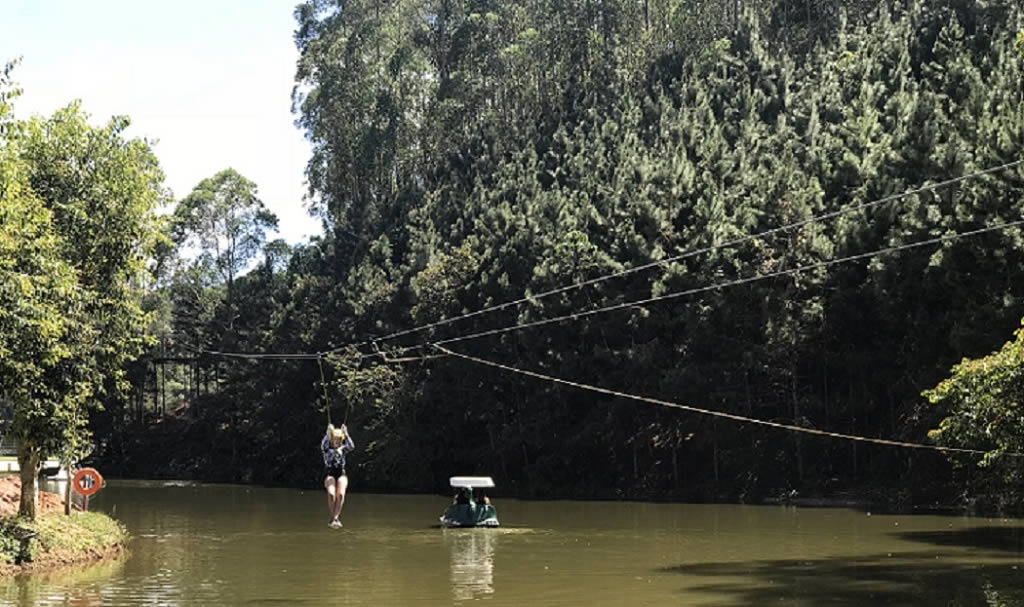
{"x": 86, "y": 482}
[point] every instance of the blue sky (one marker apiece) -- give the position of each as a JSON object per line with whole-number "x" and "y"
{"x": 210, "y": 80}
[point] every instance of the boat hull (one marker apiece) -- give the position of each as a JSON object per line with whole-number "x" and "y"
{"x": 470, "y": 515}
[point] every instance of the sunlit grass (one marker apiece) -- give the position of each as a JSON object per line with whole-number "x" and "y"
{"x": 83, "y": 532}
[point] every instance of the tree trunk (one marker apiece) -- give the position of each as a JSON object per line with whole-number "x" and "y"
{"x": 67, "y": 489}
{"x": 714, "y": 456}
{"x": 714, "y": 452}
{"x": 28, "y": 463}
{"x": 675, "y": 466}
{"x": 636, "y": 467}
{"x": 163, "y": 390}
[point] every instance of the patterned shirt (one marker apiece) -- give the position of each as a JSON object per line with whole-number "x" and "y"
{"x": 336, "y": 457}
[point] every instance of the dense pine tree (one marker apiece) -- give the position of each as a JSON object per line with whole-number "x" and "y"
{"x": 469, "y": 153}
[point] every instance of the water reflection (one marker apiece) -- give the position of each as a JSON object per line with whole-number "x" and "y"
{"x": 79, "y": 587}
{"x": 233, "y": 545}
{"x": 472, "y": 562}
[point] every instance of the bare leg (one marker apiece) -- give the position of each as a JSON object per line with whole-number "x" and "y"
{"x": 330, "y": 485}
{"x": 340, "y": 489}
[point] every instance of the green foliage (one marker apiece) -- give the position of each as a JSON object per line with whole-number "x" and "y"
{"x": 438, "y": 285}
{"x": 103, "y": 190}
{"x": 42, "y": 319}
{"x": 84, "y": 534}
{"x": 984, "y": 404}
{"x": 472, "y": 153}
{"x": 76, "y": 225}
{"x": 8, "y": 93}
{"x": 361, "y": 385}
{"x": 227, "y": 221}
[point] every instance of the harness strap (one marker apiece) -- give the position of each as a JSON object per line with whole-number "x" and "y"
{"x": 323, "y": 382}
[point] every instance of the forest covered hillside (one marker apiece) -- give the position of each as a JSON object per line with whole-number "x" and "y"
{"x": 471, "y": 153}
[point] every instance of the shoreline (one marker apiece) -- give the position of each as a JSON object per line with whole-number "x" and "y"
{"x": 55, "y": 541}
{"x": 879, "y": 500}
{"x": 58, "y": 560}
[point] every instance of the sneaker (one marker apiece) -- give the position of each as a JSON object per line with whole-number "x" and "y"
{"x": 335, "y": 524}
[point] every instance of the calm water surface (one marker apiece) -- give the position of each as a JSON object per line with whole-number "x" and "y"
{"x": 230, "y": 545}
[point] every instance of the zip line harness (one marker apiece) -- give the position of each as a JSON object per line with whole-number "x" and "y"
{"x": 327, "y": 399}
{"x": 323, "y": 383}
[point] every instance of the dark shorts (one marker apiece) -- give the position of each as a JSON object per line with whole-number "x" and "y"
{"x": 335, "y": 471}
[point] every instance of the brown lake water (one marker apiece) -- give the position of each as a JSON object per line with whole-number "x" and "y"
{"x": 233, "y": 545}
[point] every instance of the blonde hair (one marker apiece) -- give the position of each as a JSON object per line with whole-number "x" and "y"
{"x": 335, "y": 435}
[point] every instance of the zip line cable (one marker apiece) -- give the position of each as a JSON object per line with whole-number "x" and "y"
{"x": 258, "y": 356}
{"x": 721, "y": 414}
{"x": 741, "y": 281}
{"x": 630, "y": 304}
{"x": 733, "y": 242}
{"x": 700, "y": 251}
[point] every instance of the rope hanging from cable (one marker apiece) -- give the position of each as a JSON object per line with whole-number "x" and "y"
{"x": 323, "y": 383}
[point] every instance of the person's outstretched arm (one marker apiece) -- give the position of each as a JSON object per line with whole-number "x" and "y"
{"x": 325, "y": 448}
{"x": 348, "y": 445}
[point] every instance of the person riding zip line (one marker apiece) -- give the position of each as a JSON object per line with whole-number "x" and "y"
{"x": 335, "y": 444}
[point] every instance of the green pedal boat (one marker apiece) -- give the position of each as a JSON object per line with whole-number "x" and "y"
{"x": 469, "y": 509}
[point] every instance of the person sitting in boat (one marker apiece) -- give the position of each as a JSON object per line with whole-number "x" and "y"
{"x": 461, "y": 496}
{"x": 335, "y": 444}
{"x": 482, "y": 499}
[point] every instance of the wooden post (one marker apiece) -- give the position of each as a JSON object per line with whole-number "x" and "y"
{"x": 67, "y": 491}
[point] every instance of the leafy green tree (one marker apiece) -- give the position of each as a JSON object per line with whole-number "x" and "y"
{"x": 42, "y": 318}
{"x": 468, "y": 153}
{"x": 225, "y": 218}
{"x": 85, "y": 197}
{"x": 39, "y": 310}
{"x": 103, "y": 190}
{"x": 572, "y": 139}
{"x": 983, "y": 400}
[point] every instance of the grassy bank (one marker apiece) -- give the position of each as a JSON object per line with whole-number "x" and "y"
{"x": 58, "y": 540}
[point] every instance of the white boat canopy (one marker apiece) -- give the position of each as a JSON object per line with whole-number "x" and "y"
{"x": 472, "y": 481}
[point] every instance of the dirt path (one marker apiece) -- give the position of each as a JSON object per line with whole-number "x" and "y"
{"x": 10, "y": 496}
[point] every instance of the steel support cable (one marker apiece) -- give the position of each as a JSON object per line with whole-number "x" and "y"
{"x": 696, "y": 252}
{"x": 258, "y": 356}
{"x": 694, "y": 291}
{"x": 631, "y": 304}
{"x": 733, "y": 242}
{"x": 709, "y": 412}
